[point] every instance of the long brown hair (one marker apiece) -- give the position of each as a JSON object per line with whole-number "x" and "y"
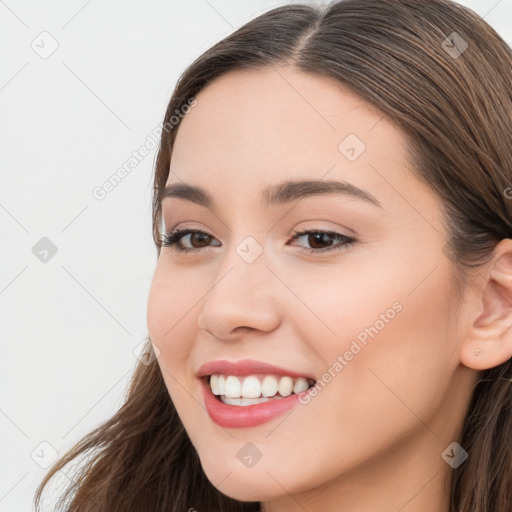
{"x": 443, "y": 76}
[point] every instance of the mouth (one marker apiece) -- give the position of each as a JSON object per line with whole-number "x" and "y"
{"x": 247, "y": 390}
{"x": 243, "y": 412}
{"x": 246, "y": 393}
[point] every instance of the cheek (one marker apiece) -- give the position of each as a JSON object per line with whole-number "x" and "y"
{"x": 172, "y": 304}
{"x": 172, "y": 327}
{"x": 387, "y": 341}
{"x": 396, "y": 347}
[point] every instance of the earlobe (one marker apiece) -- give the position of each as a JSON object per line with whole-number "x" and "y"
{"x": 489, "y": 336}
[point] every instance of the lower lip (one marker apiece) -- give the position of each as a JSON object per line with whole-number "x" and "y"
{"x": 241, "y": 416}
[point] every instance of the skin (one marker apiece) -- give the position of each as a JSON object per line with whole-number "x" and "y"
{"x": 372, "y": 437}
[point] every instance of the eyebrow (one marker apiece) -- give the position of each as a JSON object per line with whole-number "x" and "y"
{"x": 274, "y": 195}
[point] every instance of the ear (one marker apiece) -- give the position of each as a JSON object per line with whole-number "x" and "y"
{"x": 488, "y": 339}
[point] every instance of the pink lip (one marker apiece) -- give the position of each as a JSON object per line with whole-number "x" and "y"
{"x": 245, "y": 367}
{"x": 235, "y": 416}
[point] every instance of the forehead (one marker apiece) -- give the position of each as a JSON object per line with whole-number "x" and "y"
{"x": 275, "y": 110}
{"x": 254, "y": 128}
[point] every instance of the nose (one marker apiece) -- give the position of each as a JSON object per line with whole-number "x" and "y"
{"x": 243, "y": 296}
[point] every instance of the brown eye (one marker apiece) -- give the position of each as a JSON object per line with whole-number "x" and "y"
{"x": 197, "y": 239}
{"x": 322, "y": 241}
{"x": 317, "y": 240}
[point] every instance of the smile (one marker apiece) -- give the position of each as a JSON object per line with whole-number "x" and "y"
{"x": 246, "y": 393}
{"x": 255, "y": 389}
{"x": 243, "y": 412}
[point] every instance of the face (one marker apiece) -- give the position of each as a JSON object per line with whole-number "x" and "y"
{"x": 362, "y": 301}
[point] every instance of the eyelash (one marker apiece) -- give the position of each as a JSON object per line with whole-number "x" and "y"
{"x": 173, "y": 239}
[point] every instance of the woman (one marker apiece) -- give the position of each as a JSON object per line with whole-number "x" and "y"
{"x": 330, "y": 309}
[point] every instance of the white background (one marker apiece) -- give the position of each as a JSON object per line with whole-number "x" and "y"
{"x": 69, "y": 326}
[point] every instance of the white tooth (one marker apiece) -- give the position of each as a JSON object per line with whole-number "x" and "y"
{"x": 285, "y": 386}
{"x": 301, "y": 384}
{"x": 233, "y": 387}
{"x": 269, "y": 386}
{"x": 221, "y": 384}
{"x": 251, "y": 387}
{"x": 213, "y": 384}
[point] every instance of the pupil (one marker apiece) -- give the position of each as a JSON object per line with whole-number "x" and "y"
{"x": 204, "y": 237}
{"x": 318, "y": 237}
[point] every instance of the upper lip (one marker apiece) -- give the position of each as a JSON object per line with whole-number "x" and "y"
{"x": 246, "y": 367}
